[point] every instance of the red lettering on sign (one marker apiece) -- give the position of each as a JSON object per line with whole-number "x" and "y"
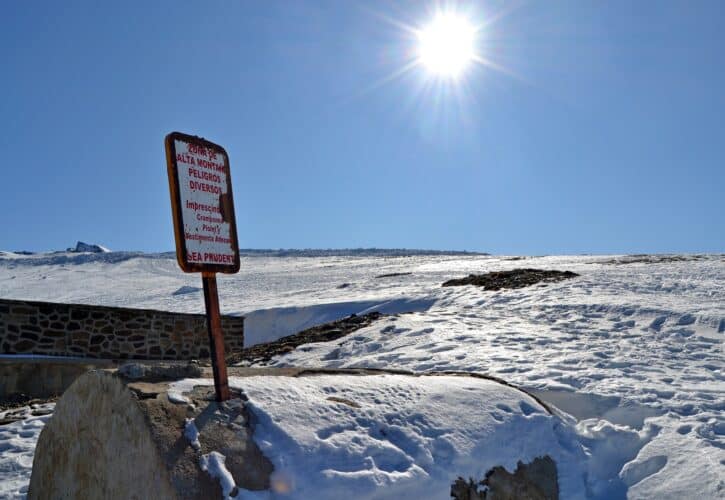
{"x": 202, "y": 186}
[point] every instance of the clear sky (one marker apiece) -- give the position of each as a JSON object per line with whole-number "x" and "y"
{"x": 594, "y": 127}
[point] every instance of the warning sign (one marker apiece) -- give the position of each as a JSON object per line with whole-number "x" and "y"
{"x": 202, "y": 205}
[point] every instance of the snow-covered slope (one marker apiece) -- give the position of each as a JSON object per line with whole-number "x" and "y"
{"x": 633, "y": 348}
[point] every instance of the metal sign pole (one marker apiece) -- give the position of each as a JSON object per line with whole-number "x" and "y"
{"x": 216, "y": 337}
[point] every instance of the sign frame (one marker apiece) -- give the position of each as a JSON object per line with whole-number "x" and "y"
{"x": 226, "y": 206}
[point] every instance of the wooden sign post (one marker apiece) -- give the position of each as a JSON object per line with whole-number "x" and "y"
{"x": 205, "y": 228}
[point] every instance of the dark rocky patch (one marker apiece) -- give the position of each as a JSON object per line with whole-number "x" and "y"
{"x": 13, "y": 407}
{"x": 391, "y": 275}
{"x": 344, "y": 401}
{"x": 534, "y": 481}
{"x": 517, "y": 278}
{"x": 159, "y": 372}
{"x": 652, "y": 259}
{"x": 327, "y": 332}
{"x": 15, "y": 400}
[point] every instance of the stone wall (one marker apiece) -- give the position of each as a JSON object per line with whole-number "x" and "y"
{"x": 108, "y": 332}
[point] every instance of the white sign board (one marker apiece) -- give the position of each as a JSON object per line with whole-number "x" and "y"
{"x": 202, "y": 202}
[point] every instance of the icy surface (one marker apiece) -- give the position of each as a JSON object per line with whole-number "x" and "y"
{"x": 633, "y": 348}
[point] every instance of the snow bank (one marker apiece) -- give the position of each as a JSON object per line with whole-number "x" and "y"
{"x": 268, "y": 325}
{"x": 395, "y": 436}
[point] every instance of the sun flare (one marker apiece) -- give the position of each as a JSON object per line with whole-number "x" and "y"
{"x": 446, "y": 46}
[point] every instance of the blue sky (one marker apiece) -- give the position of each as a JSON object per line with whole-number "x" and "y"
{"x": 603, "y": 131}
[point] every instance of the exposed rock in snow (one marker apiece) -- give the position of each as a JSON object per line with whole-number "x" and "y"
{"x": 88, "y": 247}
{"x": 516, "y": 278}
{"x": 326, "y": 332}
{"x": 533, "y": 481}
{"x": 159, "y": 371}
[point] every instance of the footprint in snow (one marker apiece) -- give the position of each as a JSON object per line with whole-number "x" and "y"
{"x": 526, "y": 408}
{"x": 504, "y": 407}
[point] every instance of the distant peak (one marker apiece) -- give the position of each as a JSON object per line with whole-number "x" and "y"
{"x": 88, "y": 247}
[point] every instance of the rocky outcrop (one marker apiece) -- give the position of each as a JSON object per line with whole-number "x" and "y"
{"x": 534, "y": 481}
{"x": 326, "y": 332}
{"x": 88, "y": 247}
{"x": 517, "y": 278}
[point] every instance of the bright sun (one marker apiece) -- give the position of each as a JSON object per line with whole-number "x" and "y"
{"x": 446, "y": 45}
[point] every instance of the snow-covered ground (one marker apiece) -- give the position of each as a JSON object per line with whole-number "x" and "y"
{"x": 633, "y": 351}
{"x": 17, "y": 447}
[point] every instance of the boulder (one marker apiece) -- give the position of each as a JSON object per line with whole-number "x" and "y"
{"x": 533, "y": 481}
{"x": 116, "y": 438}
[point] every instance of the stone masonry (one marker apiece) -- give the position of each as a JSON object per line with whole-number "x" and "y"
{"x": 109, "y": 332}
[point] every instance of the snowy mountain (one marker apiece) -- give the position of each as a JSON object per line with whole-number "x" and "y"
{"x": 89, "y": 247}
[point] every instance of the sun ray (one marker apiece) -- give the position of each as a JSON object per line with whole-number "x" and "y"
{"x": 498, "y": 67}
{"x": 390, "y": 77}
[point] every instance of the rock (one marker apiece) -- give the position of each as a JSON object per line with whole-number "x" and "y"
{"x": 517, "y": 278}
{"x": 160, "y": 371}
{"x": 104, "y": 441}
{"x": 88, "y": 247}
{"x": 468, "y": 490}
{"x": 534, "y": 481}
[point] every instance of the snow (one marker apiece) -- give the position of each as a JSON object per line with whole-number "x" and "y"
{"x": 632, "y": 349}
{"x": 213, "y": 464}
{"x": 177, "y": 398}
{"x": 191, "y": 433}
{"x": 17, "y": 447}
